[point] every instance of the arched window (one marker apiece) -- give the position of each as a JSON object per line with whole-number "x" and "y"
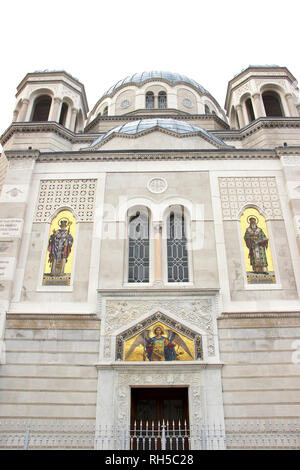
{"x": 41, "y": 108}
{"x": 105, "y": 111}
{"x": 272, "y": 104}
{"x": 138, "y": 245}
{"x": 250, "y": 110}
{"x": 63, "y": 114}
{"x": 162, "y": 100}
{"x": 207, "y": 110}
{"x": 177, "y": 253}
{"x": 149, "y": 100}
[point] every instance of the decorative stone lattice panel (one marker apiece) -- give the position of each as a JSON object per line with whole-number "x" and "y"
{"x": 235, "y": 193}
{"x": 79, "y": 194}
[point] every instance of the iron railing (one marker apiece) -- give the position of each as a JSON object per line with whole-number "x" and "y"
{"x": 259, "y": 435}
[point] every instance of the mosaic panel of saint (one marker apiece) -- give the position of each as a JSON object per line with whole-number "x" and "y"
{"x": 58, "y": 265}
{"x": 159, "y": 343}
{"x": 257, "y": 251}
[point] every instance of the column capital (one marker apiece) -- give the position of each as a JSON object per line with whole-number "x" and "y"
{"x": 157, "y": 227}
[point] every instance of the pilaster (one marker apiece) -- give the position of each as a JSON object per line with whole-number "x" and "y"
{"x": 13, "y": 204}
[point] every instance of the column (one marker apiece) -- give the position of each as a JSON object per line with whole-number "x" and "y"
{"x": 291, "y": 105}
{"x": 258, "y": 106}
{"x": 13, "y": 205}
{"x": 240, "y": 115}
{"x": 73, "y": 119}
{"x": 158, "y": 276}
{"x": 23, "y": 111}
{"x": 55, "y": 110}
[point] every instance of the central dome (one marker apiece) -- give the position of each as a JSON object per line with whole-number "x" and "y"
{"x": 144, "y": 76}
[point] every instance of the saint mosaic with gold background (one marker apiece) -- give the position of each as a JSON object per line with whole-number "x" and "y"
{"x": 256, "y": 247}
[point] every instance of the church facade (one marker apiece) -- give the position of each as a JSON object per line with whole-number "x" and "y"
{"x": 150, "y": 252}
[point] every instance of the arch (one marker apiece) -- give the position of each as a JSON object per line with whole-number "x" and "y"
{"x": 162, "y": 100}
{"x": 105, "y": 111}
{"x": 149, "y": 103}
{"x": 41, "y": 108}
{"x": 177, "y": 251}
{"x": 138, "y": 244}
{"x": 272, "y": 103}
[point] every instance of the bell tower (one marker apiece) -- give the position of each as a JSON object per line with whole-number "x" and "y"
{"x": 261, "y": 91}
{"x": 51, "y": 96}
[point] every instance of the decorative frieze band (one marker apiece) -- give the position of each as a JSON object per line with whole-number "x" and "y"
{"x": 79, "y": 194}
{"x": 236, "y": 193}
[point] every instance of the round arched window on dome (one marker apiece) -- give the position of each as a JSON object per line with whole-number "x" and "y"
{"x": 272, "y": 104}
{"x": 41, "y": 108}
{"x": 162, "y": 100}
{"x": 149, "y": 100}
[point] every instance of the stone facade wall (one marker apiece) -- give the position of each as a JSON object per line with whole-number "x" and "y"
{"x": 49, "y": 371}
{"x": 260, "y": 377}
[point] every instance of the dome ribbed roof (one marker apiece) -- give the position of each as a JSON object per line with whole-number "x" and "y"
{"x": 142, "y": 77}
{"x": 173, "y": 125}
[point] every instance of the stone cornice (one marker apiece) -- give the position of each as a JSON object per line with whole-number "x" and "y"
{"x": 258, "y": 124}
{"x": 30, "y": 153}
{"x": 137, "y": 292}
{"x": 49, "y": 126}
{"x": 129, "y": 366}
{"x": 52, "y": 316}
{"x": 163, "y": 155}
{"x": 134, "y": 117}
{"x": 249, "y": 315}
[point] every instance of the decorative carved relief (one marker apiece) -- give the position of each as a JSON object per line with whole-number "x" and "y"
{"x": 235, "y": 193}
{"x": 127, "y": 380}
{"x": 79, "y": 194}
{"x": 198, "y": 312}
{"x": 157, "y": 185}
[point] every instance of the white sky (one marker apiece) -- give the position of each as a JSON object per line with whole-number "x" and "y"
{"x": 101, "y": 42}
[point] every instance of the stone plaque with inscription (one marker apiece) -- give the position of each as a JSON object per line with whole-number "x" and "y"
{"x": 6, "y": 268}
{"x": 11, "y": 228}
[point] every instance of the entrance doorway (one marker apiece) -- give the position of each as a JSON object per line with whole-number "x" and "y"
{"x": 159, "y": 418}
